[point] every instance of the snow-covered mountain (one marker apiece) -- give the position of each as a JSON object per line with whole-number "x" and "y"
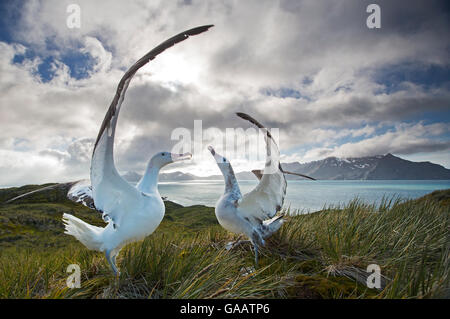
{"x": 380, "y": 167}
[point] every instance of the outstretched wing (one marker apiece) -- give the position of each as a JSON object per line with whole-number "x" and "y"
{"x": 266, "y": 199}
{"x": 79, "y": 192}
{"x": 112, "y": 194}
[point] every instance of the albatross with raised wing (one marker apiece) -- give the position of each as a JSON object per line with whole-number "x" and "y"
{"x": 131, "y": 212}
{"x": 253, "y": 214}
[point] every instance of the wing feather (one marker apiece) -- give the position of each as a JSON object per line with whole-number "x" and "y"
{"x": 267, "y": 198}
{"x": 123, "y": 84}
{"x": 64, "y": 187}
{"x": 79, "y": 192}
{"x": 112, "y": 194}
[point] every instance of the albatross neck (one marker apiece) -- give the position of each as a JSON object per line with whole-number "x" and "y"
{"x": 149, "y": 182}
{"x": 231, "y": 184}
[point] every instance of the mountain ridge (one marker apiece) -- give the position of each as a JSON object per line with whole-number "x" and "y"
{"x": 379, "y": 167}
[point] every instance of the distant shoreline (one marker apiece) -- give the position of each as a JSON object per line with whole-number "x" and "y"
{"x": 254, "y": 180}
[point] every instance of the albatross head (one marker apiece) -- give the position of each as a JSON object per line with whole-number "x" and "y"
{"x": 222, "y": 162}
{"x": 227, "y": 172}
{"x": 161, "y": 159}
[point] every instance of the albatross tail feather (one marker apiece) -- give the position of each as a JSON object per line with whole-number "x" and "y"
{"x": 87, "y": 234}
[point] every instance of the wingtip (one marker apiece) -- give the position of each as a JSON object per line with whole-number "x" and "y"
{"x": 298, "y": 174}
{"x": 198, "y": 30}
{"x": 246, "y": 117}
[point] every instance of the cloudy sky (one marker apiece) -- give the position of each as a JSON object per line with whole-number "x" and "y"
{"x": 313, "y": 69}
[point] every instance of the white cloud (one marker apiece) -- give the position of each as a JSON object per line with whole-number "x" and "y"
{"x": 405, "y": 139}
{"x": 95, "y": 48}
{"x": 318, "y": 48}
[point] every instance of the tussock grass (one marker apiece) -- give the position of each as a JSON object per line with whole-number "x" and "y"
{"x": 318, "y": 255}
{"x": 409, "y": 240}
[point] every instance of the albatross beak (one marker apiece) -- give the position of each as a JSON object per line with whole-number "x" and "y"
{"x": 217, "y": 157}
{"x": 213, "y": 152}
{"x": 180, "y": 157}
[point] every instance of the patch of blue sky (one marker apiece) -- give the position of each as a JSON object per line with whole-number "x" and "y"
{"x": 307, "y": 80}
{"x": 393, "y": 77}
{"x": 284, "y": 92}
{"x": 335, "y": 141}
{"x": 20, "y": 58}
{"x": 46, "y": 70}
{"x": 353, "y": 139}
{"x": 9, "y": 15}
{"x": 296, "y": 150}
{"x": 431, "y": 117}
{"x": 349, "y": 138}
{"x": 80, "y": 64}
{"x": 441, "y": 115}
{"x": 385, "y": 128}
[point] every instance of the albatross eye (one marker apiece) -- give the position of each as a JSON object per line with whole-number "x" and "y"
{"x": 224, "y": 160}
{"x": 163, "y": 154}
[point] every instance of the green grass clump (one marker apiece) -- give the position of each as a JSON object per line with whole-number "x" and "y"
{"x": 319, "y": 255}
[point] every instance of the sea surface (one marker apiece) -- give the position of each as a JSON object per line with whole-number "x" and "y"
{"x": 306, "y": 196}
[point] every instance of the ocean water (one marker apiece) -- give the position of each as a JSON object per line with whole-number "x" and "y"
{"x": 304, "y": 195}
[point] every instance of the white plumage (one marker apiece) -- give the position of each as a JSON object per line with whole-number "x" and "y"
{"x": 253, "y": 214}
{"x": 131, "y": 212}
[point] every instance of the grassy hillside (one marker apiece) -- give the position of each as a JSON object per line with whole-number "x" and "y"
{"x": 320, "y": 255}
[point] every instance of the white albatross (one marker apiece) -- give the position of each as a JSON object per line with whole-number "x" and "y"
{"x": 131, "y": 213}
{"x": 253, "y": 214}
